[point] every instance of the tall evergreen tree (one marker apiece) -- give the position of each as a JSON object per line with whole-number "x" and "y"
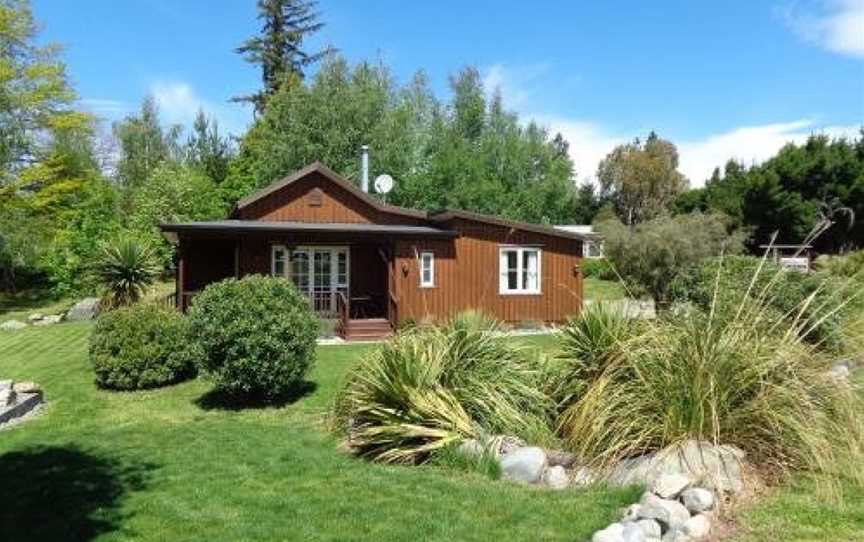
{"x": 278, "y": 50}
{"x": 207, "y": 150}
{"x": 144, "y": 144}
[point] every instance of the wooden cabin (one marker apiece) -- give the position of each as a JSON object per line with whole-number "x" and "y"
{"x": 373, "y": 267}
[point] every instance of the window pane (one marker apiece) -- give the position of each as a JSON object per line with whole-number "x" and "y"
{"x": 529, "y": 267}
{"x": 279, "y": 268}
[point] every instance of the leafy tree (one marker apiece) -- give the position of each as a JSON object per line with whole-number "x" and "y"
{"x": 804, "y": 186}
{"x": 144, "y": 144}
{"x": 33, "y": 86}
{"x": 173, "y": 193}
{"x": 467, "y": 153}
{"x": 652, "y": 254}
{"x": 207, "y": 150}
{"x": 642, "y": 178}
{"x": 278, "y": 50}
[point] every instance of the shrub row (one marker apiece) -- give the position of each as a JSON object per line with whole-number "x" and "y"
{"x": 253, "y": 337}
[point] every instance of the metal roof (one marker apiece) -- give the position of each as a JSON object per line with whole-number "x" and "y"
{"x": 258, "y": 226}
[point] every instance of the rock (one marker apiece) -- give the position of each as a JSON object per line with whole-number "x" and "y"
{"x": 7, "y": 397}
{"x": 35, "y": 317}
{"x": 555, "y": 477}
{"x": 839, "y": 372}
{"x": 669, "y": 486}
{"x": 6, "y": 385}
{"x": 631, "y": 513}
{"x": 669, "y": 514}
{"x": 697, "y": 527}
{"x": 650, "y": 527}
{"x": 524, "y": 465}
{"x": 12, "y": 325}
{"x": 676, "y": 536}
{"x": 633, "y": 533}
{"x": 583, "y": 476}
{"x": 508, "y": 444}
{"x": 560, "y": 457}
{"x": 612, "y": 533}
{"x": 707, "y": 465}
{"x": 48, "y": 320}
{"x": 27, "y": 387}
{"x": 86, "y": 309}
{"x": 697, "y": 500}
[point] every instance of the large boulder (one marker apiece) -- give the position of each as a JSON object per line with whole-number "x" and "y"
{"x": 86, "y": 309}
{"x": 524, "y": 465}
{"x": 7, "y": 397}
{"x": 560, "y": 457}
{"x": 669, "y": 486}
{"x": 698, "y": 500}
{"x": 669, "y": 514}
{"x": 555, "y": 477}
{"x": 12, "y": 325}
{"x": 707, "y": 465}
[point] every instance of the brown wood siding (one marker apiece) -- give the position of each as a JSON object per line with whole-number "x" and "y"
{"x": 316, "y": 199}
{"x": 467, "y": 271}
{"x": 206, "y": 261}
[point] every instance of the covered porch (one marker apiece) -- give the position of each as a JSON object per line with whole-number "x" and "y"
{"x": 346, "y": 271}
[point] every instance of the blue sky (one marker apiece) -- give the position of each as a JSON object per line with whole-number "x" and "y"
{"x": 720, "y": 79}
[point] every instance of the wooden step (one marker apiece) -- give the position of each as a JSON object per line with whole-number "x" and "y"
{"x": 367, "y": 329}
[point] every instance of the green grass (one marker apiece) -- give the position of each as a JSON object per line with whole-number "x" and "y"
{"x": 20, "y": 305}
{"x": 603, "y": 290}
{"x": 796, "y": 513}
{"x": 175, "y": 464}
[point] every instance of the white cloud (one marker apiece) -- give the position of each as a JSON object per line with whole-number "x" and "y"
{"x": 590, "y": 143}
{"x": 179, "y": 103}
{"x": 837, "y": 27}
{"x": 104, "y": 107}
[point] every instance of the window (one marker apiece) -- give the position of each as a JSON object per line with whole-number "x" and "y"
{"x": 278, "y": 261}
{"x": 593, "y": 249}
{"x": 519, "y": 270}
{"x": 427, "y": 269}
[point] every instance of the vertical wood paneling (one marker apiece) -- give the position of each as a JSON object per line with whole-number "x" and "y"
{"x": 467, "y": 276}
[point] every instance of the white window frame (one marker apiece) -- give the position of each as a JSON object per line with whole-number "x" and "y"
{"x": 431, "y": 282}
{"x": 286, "y": 260}
{"x": 503, "y": 271}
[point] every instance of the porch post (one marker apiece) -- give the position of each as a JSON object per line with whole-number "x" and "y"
{"x": 181, "y": 276}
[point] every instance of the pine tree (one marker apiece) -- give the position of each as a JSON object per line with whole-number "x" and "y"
{"x": 278, "y": 49}
{"x": 207, "y": 150}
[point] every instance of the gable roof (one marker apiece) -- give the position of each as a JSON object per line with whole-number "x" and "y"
{"x": 435, "y": 217}
{"x": 449, "y": 214}
{"x": 329, "y": 174}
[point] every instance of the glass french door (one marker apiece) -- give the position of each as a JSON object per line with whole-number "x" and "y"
{"x": 319, "y": 273}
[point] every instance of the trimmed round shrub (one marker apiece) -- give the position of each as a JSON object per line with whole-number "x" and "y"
{"x": 142, "y": 346}
{"x": 257, "y": 335}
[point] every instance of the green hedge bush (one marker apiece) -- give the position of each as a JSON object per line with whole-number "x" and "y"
{"x": 142, "y": 346}
{"x": 257, "y": 335}
{"x": 598, "y": 268}
{"x": 783, "y": 292}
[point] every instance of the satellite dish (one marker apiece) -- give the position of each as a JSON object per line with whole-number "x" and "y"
{"x": 383, "y": 183}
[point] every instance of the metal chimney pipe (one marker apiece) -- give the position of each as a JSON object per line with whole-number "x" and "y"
{"x": 364, "y": 168}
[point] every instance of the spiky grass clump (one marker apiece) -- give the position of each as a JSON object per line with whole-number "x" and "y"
{"x": 590, "y": 343}
{"x": 428, "y": 389}
{"x": 745, "y": 378}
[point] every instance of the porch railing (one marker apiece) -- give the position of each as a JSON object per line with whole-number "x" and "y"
{"x": 342, "y": 313}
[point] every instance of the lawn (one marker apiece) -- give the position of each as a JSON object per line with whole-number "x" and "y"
{"x": 603, "y": 290}
{"x": 176, "y": 464}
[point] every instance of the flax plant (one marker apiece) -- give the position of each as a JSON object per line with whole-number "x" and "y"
{"x": 428, "y": 389}
{"x": 745, "y": 377}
